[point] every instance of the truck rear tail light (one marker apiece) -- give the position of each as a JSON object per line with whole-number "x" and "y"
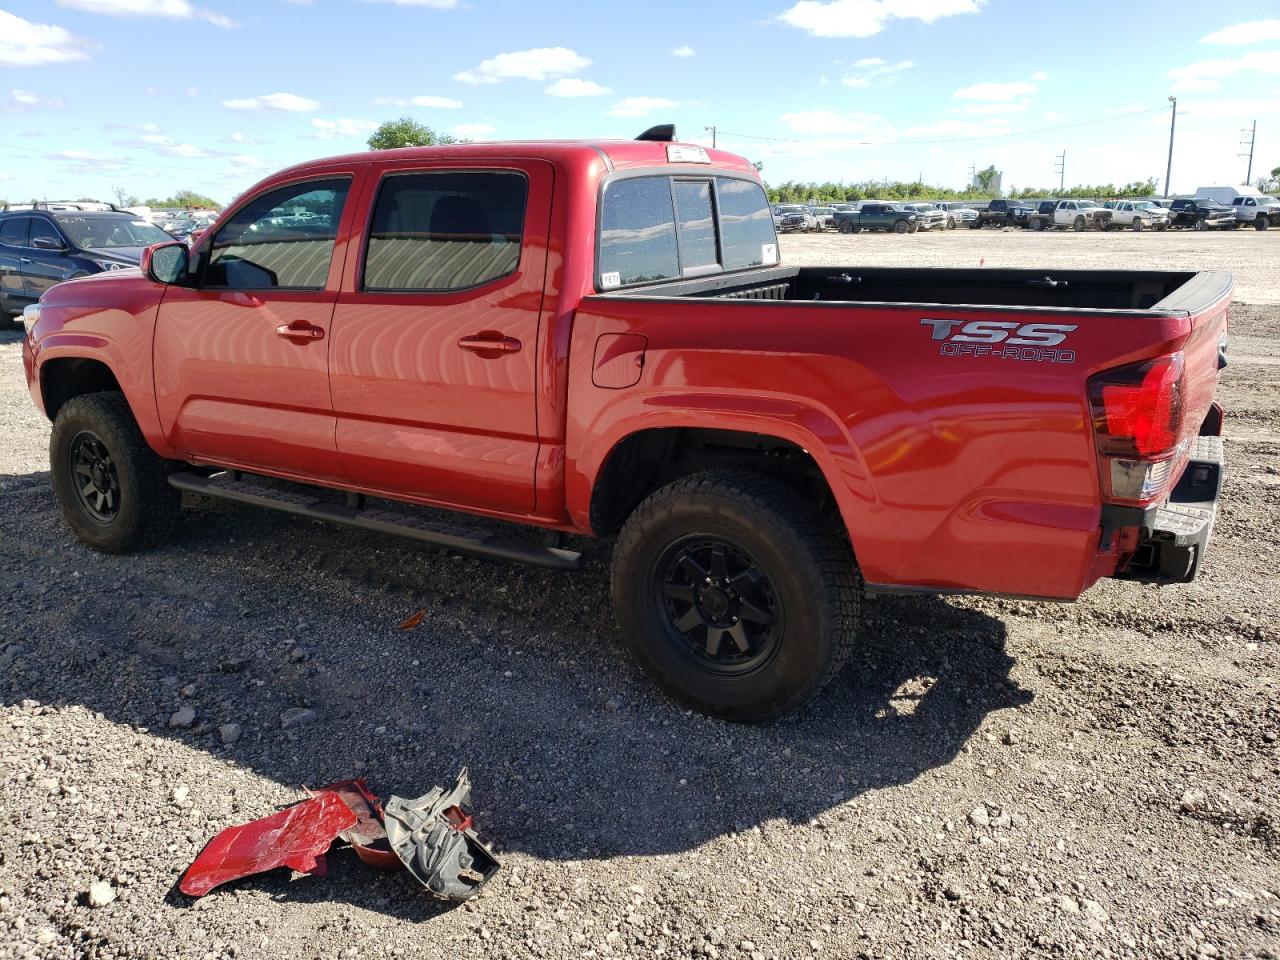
{"x": 1137, "y": 410}
{"x": 1137, "y": 419}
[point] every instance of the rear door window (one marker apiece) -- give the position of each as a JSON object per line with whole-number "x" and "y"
{"x": 447, "y": 230}
{"x": 13, "y": 231}
{"x": 747, "y": 236}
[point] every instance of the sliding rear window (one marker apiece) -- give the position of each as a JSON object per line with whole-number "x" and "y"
{"x": 664, "y": 227}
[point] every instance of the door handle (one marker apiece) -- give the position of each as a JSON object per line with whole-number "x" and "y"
{"x": 299, "y": 330}
{"x": 490, "y": 344}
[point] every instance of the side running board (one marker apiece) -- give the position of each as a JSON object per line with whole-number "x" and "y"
{"x": 302, "y": 502}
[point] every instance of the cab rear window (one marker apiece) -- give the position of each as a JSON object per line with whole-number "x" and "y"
{"x": 665, "y": 227}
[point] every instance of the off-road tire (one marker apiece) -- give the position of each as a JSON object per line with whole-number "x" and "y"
{"x": 148, "y": 507}
{"x": 808, "y": 565}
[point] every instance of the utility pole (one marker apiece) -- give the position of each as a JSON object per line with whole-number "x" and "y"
{"x": 1173, "y": 122}
{"x": 1060, "y": 167}
{"x": 712, "y": 131}
{"x": 1253, "y": 135}
{"x": 973, "y": 175}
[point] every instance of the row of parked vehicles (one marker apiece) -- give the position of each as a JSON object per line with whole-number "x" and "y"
{"x": 1213, "y": 208}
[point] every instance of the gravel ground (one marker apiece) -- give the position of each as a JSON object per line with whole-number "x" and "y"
{"x": 987, "y": 778}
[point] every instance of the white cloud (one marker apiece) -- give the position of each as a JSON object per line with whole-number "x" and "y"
{"x": 1255, "y": 31}
{"x": 540, "y": 63}
{"x": 434, "y": 4}
{"x": 685, "y": 51}
{"x": 168, "y": 9}
{"x": 981, "y": 109}
{"x": 830, "y": 122}
{"x": 640, "y": 106}
{"x": 20, "y": 100}
{"x": 342, "y": 127}
{"x": 288, "y": 102}
{"x": 1039, "y": 76}
{"x": 27, "y": 44}
{"x": 183, "y": 150}
{"x": 869, "y": 68}
{"x": 577, "y": 87}
{"x": 437, "y": 103}
{"x": 473, "y": 131}
{"x": 1209, "y": 74}
{"x": 864, "y": 18}
{"x": 996, "y": 91}
{"x": 247, "y": 162}
{"x": 238, "y": 137}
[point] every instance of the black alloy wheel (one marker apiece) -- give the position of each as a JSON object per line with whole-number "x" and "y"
{"x": 97, "y": 482}
{"x": 718, "y": 604}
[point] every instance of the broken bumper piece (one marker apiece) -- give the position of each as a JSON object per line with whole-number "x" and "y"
{"x": 434, "y": 838}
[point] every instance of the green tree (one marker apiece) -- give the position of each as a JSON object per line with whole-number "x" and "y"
{"x": 406, "y": 132}
{"x": 986, "y": 178}
{"x": 184, "y": 199}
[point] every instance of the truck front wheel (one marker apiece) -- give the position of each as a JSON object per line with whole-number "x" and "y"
{"x": 900, "y": 226}
{"x": 1080, "y": 224}
{"x": 112, "y": 489}
{"x": 1260, "y": 223}
{"x": 736, "y": 594}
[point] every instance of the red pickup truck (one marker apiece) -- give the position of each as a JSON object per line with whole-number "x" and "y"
{"x": 600, "y": 338}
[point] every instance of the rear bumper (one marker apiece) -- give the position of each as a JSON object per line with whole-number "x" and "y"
{"x": 1175, "y": 535}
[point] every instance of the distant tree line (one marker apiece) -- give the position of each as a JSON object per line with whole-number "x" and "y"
{"x": 793, "y": 192}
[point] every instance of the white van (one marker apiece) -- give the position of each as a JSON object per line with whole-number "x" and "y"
{"x": 1225, "y": 195}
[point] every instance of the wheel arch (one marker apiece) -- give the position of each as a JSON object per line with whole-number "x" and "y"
{"x": 809, "y": 452}
{"x": 67, "y": 377}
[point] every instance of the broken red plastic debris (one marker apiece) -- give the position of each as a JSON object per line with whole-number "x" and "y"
{"x": 367, "y": 837}
{"x": 295, "y": 837}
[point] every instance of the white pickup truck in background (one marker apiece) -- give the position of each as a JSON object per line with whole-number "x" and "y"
{"x": 1261, "y": 211}
{"x": 1138, "y": 214}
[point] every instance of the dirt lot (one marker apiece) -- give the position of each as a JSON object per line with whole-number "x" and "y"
{"x": 987, "y": 778}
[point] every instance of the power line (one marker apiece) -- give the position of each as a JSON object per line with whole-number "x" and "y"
{"x": 991, "y": 136}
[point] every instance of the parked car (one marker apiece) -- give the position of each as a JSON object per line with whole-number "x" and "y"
{"x": 791, "y": 217}
{"x": 1137, "y": 214}
{"x": 929, "y": 216}
{"x": 525, "y": 332}
{"x": 1004, "y": 213}
{"x": 1076, "y": 214}
{"x": 826, "y": 217}
{"x": 957, "y": 213}
{"x": 1199, "y": 213}
{"x": 877, "y": 215}
{"x": 39, "y": 248}
{"x": 1261, "y": 211}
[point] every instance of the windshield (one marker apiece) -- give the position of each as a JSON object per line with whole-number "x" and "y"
{"x": 1086, "y": 204}
{"x": 791, "y": 209}
{"x": 103, "y": 233}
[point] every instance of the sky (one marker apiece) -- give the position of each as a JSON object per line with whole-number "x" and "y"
{"x": 152, "y": 96}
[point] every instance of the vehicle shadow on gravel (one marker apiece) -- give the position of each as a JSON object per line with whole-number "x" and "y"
{"x": 516, "y": 673}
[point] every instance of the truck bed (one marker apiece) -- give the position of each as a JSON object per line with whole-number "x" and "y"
{"x": 1166, "y": 292}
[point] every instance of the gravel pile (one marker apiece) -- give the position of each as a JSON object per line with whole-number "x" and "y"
{"x": 987, "y": 778}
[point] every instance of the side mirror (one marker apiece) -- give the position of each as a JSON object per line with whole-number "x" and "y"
{"x": 166, "y": 262}
{"x": 47, "y": 243}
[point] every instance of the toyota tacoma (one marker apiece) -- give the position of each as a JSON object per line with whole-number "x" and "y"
{"x": 600, "y": 339}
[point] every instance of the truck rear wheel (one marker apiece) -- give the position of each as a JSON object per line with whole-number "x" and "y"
{"x": 736, "y": 594}
{"x": 111, "y": 487}
{"x": 846, "y": 226}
